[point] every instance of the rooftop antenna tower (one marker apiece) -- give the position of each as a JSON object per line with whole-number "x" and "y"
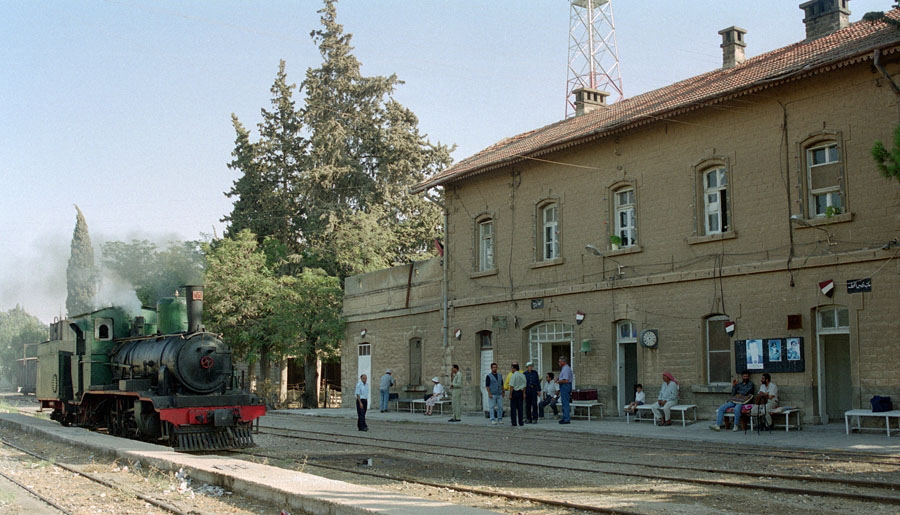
{"x": 593, "y": 57}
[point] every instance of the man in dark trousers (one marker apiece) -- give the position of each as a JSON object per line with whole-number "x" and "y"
{"x": 517, "y": 385}
{"x": 532, "y": 389}
{"x": 362, "y": 403}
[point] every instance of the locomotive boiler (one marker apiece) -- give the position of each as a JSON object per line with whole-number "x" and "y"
{"x": 157, "y": 376}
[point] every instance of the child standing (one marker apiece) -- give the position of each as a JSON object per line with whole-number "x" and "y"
{"x": 639, "y": 397}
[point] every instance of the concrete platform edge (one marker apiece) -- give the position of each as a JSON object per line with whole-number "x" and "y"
{"x": 291, "y": 489}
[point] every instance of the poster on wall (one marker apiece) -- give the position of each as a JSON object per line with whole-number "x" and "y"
{"x": 793, "y": 349}
{"x": 754, "y": 355}
{"x": 774, "y": 350}
{"x": 777, "y": 355}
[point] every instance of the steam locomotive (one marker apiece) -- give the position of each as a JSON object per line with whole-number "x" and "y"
{"x": 158, "y": 376}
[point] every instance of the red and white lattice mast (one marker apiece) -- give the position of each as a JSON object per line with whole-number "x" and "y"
{"x": 593, "y": 57}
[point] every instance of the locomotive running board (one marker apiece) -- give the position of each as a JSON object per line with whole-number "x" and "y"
{"x": 208, "y": 438}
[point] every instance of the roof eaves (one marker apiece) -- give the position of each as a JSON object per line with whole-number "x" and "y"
{"x": 808, "y": 68}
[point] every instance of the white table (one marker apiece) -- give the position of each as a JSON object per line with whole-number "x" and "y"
{"x": 860, "y": 413}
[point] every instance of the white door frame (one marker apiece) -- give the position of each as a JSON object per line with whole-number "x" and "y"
{"x": 820, "y": 355}
{"x": 626, "y": 339}
{"x": 364, "y": 363}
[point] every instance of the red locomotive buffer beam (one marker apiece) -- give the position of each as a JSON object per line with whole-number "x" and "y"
{"x": 211, "y": 428}
{"x": 217, "y": 416}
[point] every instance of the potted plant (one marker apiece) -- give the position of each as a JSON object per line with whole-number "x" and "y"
{"x": 614, "y": 242}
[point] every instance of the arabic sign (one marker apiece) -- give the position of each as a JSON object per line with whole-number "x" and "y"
{"x": 859, "y": 285}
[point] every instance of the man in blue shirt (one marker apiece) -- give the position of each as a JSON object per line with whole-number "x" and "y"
{"x": 742, "y": 392}
{"x": 566, "y": 376}
{"x": 362, "y": 403}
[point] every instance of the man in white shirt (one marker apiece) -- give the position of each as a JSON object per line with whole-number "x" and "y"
{"x": 768, "y": 393}
{"x": 362, "y": 403}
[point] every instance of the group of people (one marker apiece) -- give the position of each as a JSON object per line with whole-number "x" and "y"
{"x": 765, "y": 400}
{"x": 528, "y": 395}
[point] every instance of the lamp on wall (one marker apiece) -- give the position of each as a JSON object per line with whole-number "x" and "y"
{"x": 585, "y": 346}
{"x": 597, "y": 252}
{"x": 799, "y": 220}
{"x": 362, "y": 334}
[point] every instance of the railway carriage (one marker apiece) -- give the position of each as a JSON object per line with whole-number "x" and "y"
{"x": 155, "y": 375}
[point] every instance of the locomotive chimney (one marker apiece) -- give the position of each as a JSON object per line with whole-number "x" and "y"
{"x": 194, "y": 297}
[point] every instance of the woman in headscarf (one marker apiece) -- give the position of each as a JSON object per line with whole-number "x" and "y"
{"x": 668, "y": 397}
{"x": 436, "y": 395}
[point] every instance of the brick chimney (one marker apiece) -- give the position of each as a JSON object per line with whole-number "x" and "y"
{"x": 588, "y": 99}
{"x": 732, "y": 46}
{"x": 823, "y": 17}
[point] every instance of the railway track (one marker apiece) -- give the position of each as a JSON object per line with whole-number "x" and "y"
{"x": 830, "y": 455}
{"x": 166, "y": 507}
{"x": 866, "y": 491}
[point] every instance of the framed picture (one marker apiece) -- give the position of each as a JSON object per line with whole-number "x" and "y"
{"x": 754, "y": 354}
{"x": 793, "y": 349}
{"x": 774, "y": 350}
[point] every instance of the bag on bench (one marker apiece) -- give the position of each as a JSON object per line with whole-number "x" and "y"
{"x": 881, "y": 404}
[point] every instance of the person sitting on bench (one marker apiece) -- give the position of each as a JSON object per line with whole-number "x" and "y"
{"x": 741, "y": 393}
{"x": 767, "y": 399}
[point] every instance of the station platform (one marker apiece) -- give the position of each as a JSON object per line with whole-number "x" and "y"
{"x": 296, "y": 491}
{"x": 813, "y": 436}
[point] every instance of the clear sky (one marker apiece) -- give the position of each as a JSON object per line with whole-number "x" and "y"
{"x": 123, "y": 107}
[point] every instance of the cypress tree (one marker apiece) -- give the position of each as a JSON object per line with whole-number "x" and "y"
{"x": 81, "y": 276}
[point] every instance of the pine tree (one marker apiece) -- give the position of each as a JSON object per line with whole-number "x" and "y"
{"x": 81, "y": 276}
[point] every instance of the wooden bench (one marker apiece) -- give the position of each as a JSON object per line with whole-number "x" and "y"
{"x": 415, "y": 403}
{"x": 587, "y": 405}
{"x": 860, "y": 413}
{"x": 678, "y": 408}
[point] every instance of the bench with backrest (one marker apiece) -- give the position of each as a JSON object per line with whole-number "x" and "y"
{"x": 683, "y": 409}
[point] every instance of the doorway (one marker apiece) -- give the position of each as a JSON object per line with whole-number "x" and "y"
{"x": 487, "y": 357}
{"x": 547, "y": 342}
{"x": 364, "y": 362}
{"x": 833, "y": 346}
{"x": 626, "y": 359}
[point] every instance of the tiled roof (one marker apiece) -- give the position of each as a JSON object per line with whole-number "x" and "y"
{"x": 852, "y": 44}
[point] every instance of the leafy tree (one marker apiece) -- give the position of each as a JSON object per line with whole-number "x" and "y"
{"x": 307, "y": 314}
{"x": 888, "y": 161}
{"x": 16, "y": 329}
{"x": 325, "y": 191}
{"x": 81, "y": 276}
{"x": 151, "y": 271}
{"x": 330, "y": 179}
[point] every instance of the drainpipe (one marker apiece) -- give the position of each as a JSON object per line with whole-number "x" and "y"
{"x": 876, "y": 61}
{"x": 445, "y": 313}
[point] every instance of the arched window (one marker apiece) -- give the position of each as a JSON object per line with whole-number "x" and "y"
{"x": 824, "y": 175}
{"x": 549, "y": 235}
{"x": 485, "y": 258}
{"x": 626, "y": 217}
{"x": 415, "y": 362}
{"x": 715, "y": 201}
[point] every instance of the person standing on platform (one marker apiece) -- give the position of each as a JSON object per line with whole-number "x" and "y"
{"x": 532, "y": 389}
{"x": 493, "y": 383}
{"x": 566, "y": 376}
{"x": 362, "y": 403}
{"x": 387, "y": 381}
{"x": 456, "y": 393}
{"x": 517, "y": 384}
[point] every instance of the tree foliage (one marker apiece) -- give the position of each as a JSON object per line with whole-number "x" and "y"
{"x": 16, "y": 329}
{"x": 152, "y": 271}
{"x": 888, "y": 161}
{"x": 81, "y": 275}
{"x": 329, "y": 179}
{"x": 265, "y": 316}
{"x": 324, "y": 189}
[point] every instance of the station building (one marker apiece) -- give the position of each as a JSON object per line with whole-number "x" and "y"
{"x": 734, "y": 220}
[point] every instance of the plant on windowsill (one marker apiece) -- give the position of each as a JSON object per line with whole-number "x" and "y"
{"x": 831, "y": 211}
{"x": 614, "y": 242}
